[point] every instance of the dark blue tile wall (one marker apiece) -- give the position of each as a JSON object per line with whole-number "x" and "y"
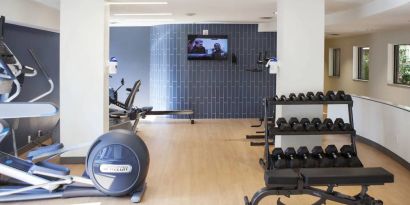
{"x": 213, "y": 89}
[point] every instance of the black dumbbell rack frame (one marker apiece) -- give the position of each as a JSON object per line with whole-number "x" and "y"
{"x": 271, "y": 130}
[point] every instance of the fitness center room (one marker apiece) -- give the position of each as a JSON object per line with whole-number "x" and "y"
{"x": 183, "y": 102}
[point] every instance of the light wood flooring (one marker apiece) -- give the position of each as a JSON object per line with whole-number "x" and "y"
{"x": 210, "y": 163}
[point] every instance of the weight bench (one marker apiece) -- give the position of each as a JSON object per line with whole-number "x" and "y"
{"x": 288, "y": 182}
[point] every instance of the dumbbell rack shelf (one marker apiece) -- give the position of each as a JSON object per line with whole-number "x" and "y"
{"x": 275, "y": 131}
{"x": 271, "y": 130}
{"x": 272, "y": 101}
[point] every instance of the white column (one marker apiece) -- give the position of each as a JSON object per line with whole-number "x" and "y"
{"x": 301, "y": 29}
{"x": 83, "y": 73}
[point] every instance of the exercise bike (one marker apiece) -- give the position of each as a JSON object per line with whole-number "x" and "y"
{"x": 122, "y": 116}
{"x": 116, "y": 163}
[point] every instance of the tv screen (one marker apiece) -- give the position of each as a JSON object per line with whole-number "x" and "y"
{"x": 209, "y": 47}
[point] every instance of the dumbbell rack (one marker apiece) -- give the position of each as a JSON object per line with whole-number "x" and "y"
{"x": 271, "y": 130}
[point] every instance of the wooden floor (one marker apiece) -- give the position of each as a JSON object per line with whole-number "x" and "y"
{"x": 211, "y": 163}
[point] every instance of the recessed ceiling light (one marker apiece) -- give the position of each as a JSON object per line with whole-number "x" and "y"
{"x": 190, "y": 14}
{"x": 144, "y": 14}
{"x": 137, "y": 3}
{"x": 276, "y": 13}
{"x": 334, "y": 34}
{"x": 266, "y": 17}
{"x": 145, "y": 20}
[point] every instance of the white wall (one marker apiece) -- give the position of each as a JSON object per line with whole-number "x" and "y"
{"x": 378, "y": 85}
{"x": 83, "y": 72}
{"x": 267, "y": 27}
{"x": 30, "y": 14}
{"x": 301, "y": 28}
{"x": 380, "y": 123}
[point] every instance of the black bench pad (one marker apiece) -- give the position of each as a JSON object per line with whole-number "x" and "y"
{"x": 281, "y": 177}
{"x": 346, "y": 176}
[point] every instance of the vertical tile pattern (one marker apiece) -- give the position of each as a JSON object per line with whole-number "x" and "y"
{"x": 213, "y": 89}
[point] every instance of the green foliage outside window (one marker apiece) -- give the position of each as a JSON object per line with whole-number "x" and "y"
{"x": 363, "y": 72}
{"x": 403, "y": 70}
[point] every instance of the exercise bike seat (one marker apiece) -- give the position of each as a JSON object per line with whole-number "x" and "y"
{"x": 147, "y": 109}
{"x": 42, "y": 150}
{"x": 118, "y": 114}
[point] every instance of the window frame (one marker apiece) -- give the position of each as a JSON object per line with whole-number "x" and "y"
{"x": 396, "y": 64}
{"x": 334, "y": 65}
{"x": 360, "y": 63}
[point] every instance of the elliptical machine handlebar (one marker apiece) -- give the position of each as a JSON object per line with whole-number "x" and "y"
{"x": 45, "y": 74}
{"x": 2, "y": 21}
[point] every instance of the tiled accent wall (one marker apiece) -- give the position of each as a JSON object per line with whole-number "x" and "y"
{"x": 213, "y": 89}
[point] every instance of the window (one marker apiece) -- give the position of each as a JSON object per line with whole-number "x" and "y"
{"x": 334, "y": 62}
{"x": 363, "y": 54}
{"x": 402, "y": 64}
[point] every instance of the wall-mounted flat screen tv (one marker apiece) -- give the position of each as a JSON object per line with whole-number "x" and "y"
{"x": 207, "y": 47}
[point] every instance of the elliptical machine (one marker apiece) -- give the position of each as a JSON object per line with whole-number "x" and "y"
{"x": 116, "y": 163}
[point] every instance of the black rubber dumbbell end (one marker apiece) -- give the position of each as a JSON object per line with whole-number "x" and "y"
{"x": 329, "y": 124}
{"x": 293, "y": 97}
{"x": 330, "y": 95}
{"x": 311, "y": 96}
{"x": 279, "y": 161}
{"x": 291, "y": 156}
{"x": 307, "y": 125}
{"x": 283, "y": 125}
{"x": 302, "y": 97}
{"x": 295, "y": 124}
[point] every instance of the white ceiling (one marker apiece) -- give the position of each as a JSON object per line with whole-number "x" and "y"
{"x": 345, "y": 17}
{"x": 230, "y": 11}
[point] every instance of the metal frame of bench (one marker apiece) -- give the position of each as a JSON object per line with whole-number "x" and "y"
{"x": 302, "y": 186}
{"x": 361, "y": 198}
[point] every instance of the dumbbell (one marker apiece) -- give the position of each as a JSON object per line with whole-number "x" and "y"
{"x": 318, "y": 124}
{"x": 293, "y": 97}
{"x": 307, "y": 125}
{"x": 332, "y": 153}
{"x": 340, "y": 95}
{"x": 320, "y": 96}
{"x": 279, "y": 161}
{"x": 293, "y": 161}
{"x": 283, "y": 98}
{"x": 330, "y": 95}
{"x": 302, "y": 97}
{"x": 311, "y": 96}
{"x": 318, "y": 154}
{"x": 329, "y": 124}
{"x": 342, "y": 125}
{"x": 307, "y": 162}
{"x": 348, "y": 152}
{"x": 295, "y": 124}
{"x": 276, "y": 98}
{"x": 283, "y": 125}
